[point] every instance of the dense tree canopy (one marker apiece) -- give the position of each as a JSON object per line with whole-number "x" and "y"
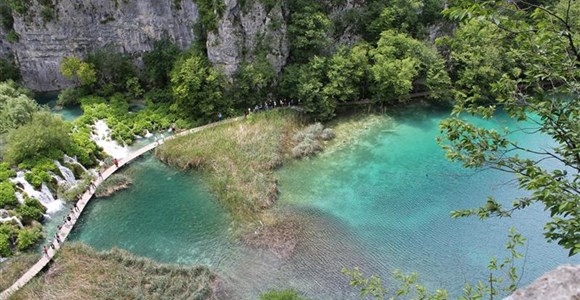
{"x": 197, "y": 88}
{"x": 523, "y": 59}
{"x": 82, "y": 72}
{"x": 16, "y": 106}
{"x": 45, "y": 135}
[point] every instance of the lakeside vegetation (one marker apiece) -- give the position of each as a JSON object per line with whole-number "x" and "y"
{"x": 79, "y": 272}
{"x": 239, "y": 158}
{"x": 15, "y": 267}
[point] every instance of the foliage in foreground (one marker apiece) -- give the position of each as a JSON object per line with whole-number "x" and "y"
{"x": 79, "y": 272}
{"x": 288, "y": 294}
{"x": 239, "y": 158}
{"x": 522, "y": 59}
{"x": 503, "y": 279}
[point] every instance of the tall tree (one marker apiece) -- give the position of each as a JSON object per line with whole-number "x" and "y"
{"x": 16, "y": 106}
{"x": 81, "y": 72}
{"x": 523, "y": 58}
{"x": 197, "y": 88}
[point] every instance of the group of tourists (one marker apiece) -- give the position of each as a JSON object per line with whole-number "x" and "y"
{"x": 272, "y": 104}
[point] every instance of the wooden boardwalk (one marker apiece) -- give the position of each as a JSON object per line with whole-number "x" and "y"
{"x": 86, "y": 197}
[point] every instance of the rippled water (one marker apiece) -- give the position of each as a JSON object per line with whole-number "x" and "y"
{"x": 381, "y": 203}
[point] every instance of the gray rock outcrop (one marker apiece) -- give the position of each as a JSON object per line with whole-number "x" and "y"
{"x": 243, "y": 33}
{"x": 563, "y": 283}
{"x": 81, "y": 26}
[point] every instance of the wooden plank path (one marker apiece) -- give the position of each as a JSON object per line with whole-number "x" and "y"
{"x": 86, "y": 197}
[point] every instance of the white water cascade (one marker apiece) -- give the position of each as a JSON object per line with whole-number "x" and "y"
{"x": 74, "y": 161}
{"x": 59, "y": 180}
{"x": 44, "y": 196}
{"x": 68, "y": 175}
{"x": 5, "y": 217}
{"x": 102, "y": 136}
{"x": 148, "y": 134}
{"x": 20, "y": 197}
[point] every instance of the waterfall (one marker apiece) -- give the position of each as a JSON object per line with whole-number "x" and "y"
{"x": 148, "y": 134}
{"x": 5, "y": 217}
{"x": 44, "y": 196}
{"x": 102, "y": 136}
{"x": 58, "y": 179}
{"x": 20, "y": 197}
{"x": 74, "y": 161}
{"x": 68, "y": 175}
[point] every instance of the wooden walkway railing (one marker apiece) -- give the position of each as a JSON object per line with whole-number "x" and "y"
{"x": 86, "y": 197}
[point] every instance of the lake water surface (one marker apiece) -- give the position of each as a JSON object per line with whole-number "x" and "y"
{"x": 381, "y": 203}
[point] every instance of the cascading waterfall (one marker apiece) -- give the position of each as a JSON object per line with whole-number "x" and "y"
{"x": 148, "y": 134}
{"x": 59, "y": 180}
{"x": 74, "y": 161}
{"x": 68, "y": 175}
{"x": 5, "y": 217}
{"x": 20, "y": 197}
{"x": 102, "y": 136}
{"x": 44, "y": 196}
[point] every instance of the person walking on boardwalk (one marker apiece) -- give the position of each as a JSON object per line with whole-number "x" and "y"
{"x": 100, "y": 174}
{"x": 57, "y": 237}
{"x": 116, "y": 162}
{"x": 45, "y": 251}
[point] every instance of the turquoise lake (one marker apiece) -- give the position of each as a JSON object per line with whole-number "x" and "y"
{"x": 380, "y": 203}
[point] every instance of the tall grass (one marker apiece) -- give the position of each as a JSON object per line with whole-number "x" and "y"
{"x": 15, "y": 267}
{"x": 239, "y": 159}
{"x": 112, "y": 184}
{"x": 79, "y": 272}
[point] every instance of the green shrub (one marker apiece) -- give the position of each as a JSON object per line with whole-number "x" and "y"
{"x": 5, "y": 245}
{"x": 69, "y": 97}
{"x": 28, "y": 214}
{"x": 32, "y": 210}
{"x": 7, "y": 196}
{"x": 6, "y": 172}
{"x": 288, "y": 294}
{"x": 12, "y": 37}
{"x": 8, "y": 68}
{"x": 91, "y": 100}
{"x": 308, "y": 140}
{"x": 37, "y": 176}
{"x": 46, "y": 135}
{"x": 39, "y": 162}
{"x": 27, "y": 237}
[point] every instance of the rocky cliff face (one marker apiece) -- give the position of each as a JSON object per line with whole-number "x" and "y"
{"x": 81, "y": 26}
{"x": 244, "y": 33}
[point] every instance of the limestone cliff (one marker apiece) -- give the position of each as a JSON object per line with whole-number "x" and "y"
{"x": 80, "y": 26}
{"x": 76, "y": 27}
{"x": 243, "y": 33}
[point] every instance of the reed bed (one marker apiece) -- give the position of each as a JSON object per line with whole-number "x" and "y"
{"x": 79, "y": 272}
{"x": 239, "y": 159}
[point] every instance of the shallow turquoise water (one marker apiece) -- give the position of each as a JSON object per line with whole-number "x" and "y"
{"x": 381, "y": 203}
{"x": 68, "y": 113}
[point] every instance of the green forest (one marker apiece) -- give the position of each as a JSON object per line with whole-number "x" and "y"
{"x": 476, "y": 57}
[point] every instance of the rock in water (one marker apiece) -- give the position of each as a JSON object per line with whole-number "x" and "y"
{"x": 563, "y": 283}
